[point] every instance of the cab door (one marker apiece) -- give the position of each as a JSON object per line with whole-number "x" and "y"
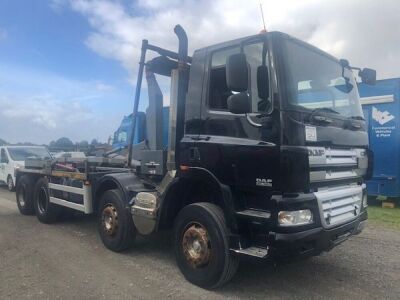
{"x": 239, "y": 149}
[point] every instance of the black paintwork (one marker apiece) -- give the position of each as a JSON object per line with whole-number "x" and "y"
{"x": 338, "y": 133}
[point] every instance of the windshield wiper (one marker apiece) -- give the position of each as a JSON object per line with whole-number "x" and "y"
{"x": 357, "y": 118}
{"x": 321, "y": 119}
{"x": 326, "y": 109}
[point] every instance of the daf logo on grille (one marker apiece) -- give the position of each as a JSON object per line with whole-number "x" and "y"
{"x": 316, "y": 152}
{"x": 263, "y": 182}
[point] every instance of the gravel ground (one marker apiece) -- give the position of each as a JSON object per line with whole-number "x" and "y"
{"x": 67, "y": 260}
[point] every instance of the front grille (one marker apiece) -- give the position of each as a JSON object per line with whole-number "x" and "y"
{"x": 339, "y": 205}
{"x": 332, "y": 164}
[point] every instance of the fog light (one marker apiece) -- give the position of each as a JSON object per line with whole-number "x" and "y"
{"x": 365, "y": 201}
{"x": 295, "y": 217}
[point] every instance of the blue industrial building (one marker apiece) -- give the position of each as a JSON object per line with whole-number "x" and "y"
{"x": 382, "y": 112}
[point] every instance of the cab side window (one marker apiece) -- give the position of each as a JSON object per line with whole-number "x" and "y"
{"x": 256, "y": 55}
{"x": 218, "y": 90}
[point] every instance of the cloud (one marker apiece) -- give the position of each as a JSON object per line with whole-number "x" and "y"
{"x": 102, "y": 87}
{"x": 3, "y": 34}
{"x": 364, "y": 31}
{"x": 43, "y": 118}
{"x": 39, "y": 107}
{"x": 44, "y": 111}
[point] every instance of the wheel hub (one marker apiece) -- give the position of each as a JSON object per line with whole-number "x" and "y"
{"x": 43, "y": 200}
{"x": 196, "y": 245}
{"x": 110, "y": 219}
{"x": 10, "y": 183}
{"x": 21, "y": 197}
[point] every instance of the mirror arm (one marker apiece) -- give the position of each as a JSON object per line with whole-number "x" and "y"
{"x": 252, "y": 122}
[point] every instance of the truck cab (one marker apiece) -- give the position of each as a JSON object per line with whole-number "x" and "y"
{"x": 279, "y": 123}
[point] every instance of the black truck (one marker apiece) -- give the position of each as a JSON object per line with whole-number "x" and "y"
{"x": 264, "y": 155}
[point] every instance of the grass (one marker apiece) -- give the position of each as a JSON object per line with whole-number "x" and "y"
{"x": 388, "y": 217}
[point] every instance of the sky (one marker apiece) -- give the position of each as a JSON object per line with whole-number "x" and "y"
{"x": 68, "y": 67}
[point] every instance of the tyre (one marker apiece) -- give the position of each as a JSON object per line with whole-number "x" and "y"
{"x": 10, "y": 183}
{"x": 202, "y": 247}
{"x": 114, "y": 222}
{"x": 24, "y": 195}
{"x": 46, "y": 212}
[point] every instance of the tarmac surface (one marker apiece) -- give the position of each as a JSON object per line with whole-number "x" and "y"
{"x": 67, "y": 260}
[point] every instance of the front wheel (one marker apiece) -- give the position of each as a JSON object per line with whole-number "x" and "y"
{"x": 202, "y": 247}
{"x": 114, "y": 222}
{"x": 10, "y": 183}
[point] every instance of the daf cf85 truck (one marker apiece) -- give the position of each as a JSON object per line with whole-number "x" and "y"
{"x": 264, "y": 155}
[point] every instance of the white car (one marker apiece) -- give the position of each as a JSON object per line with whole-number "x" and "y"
{"x": 13, "y": 157}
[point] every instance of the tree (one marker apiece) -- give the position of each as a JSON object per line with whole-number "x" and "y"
{"x": 82, "y": 146}
{"x": 62, "y": 144}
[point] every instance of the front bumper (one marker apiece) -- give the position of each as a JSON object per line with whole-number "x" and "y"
{"x": 313, "y": 241}
{"x": 338, "y": 213}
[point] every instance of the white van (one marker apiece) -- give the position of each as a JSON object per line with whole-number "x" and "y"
{"x": 13, "y": 157}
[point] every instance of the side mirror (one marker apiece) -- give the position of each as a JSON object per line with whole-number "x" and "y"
{"x": 263, "y": 82}
{"x": 368, "y": 76}
{"x": 239, "y": 103}
{"x": 237, "y": 76}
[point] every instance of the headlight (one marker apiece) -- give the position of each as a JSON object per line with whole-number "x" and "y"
{"x": 365, "y": 201}
{"x": 295, "y": 217}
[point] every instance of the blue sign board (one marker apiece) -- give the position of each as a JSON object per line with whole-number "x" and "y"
{"x": 381, "y": 109}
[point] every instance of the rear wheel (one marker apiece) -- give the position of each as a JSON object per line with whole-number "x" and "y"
{"x": 201, "y": 246}
{"x": 10, "y": 183}
{"x": 114, "y": 222}
{"x": 24, "y": 195}
{"x": 46, "y": 212}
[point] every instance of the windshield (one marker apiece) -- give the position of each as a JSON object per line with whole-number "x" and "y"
{"x": 317, "y": 81}
{"x": 22, "y": 153}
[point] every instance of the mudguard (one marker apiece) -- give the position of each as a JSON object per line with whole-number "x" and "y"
{"x": 128, "y": 183}
{"x": 223, "y": 194}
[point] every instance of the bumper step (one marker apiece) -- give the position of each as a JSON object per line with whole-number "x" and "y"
{"x": 253, "y": 251}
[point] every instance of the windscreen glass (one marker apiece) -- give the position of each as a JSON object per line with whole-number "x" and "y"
{"x": 317, "y": 81}
{"x": 22, "y": 153}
